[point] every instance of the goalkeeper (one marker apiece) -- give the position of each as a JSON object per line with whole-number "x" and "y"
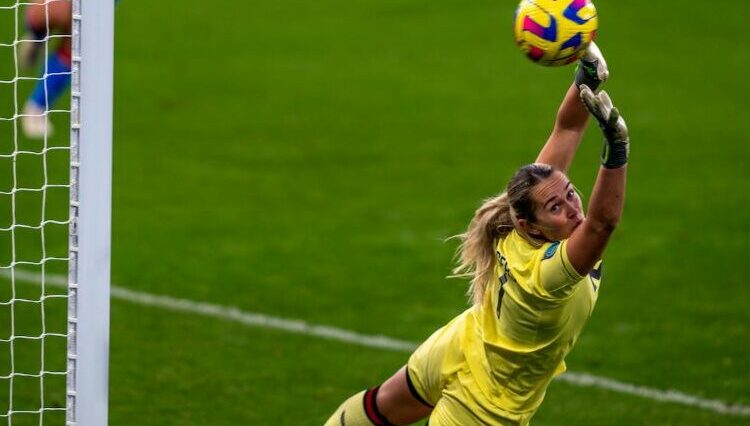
{"x": 534, "y": 261}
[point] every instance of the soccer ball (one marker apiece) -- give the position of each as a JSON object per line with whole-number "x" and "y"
{"x": 555, "y": 32}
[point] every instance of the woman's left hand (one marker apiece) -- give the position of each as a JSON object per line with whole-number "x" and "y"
{"x": 592, "y": 68}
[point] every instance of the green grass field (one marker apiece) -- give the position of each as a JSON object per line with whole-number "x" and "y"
{"x": 307, "y": 160}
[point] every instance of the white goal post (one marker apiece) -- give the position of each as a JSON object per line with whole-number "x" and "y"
{"x": 90, "y": 212}
{"x": 55, "y": 210}
{"x": 55, "y": 204}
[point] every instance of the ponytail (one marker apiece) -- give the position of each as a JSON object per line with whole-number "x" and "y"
{"x": 477, "y": 252}
{"x": 494, "y": 220}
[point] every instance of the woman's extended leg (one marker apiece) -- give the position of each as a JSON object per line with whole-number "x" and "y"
{"x": 392, "y": 403}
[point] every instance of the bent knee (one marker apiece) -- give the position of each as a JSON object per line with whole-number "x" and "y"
{"x": 396, "y": 402}
{"x": 58, "y": 13}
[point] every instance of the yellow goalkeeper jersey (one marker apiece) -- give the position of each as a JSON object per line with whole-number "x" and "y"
{"x": 516, "y": 341}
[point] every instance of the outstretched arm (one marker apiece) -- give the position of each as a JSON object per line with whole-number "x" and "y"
{"x": 587, "y": 243}
{"x": 570, "y": 124}
{"x": 572, "y": 116}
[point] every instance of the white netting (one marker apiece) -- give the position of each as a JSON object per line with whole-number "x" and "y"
{"x": 34, "y": 220}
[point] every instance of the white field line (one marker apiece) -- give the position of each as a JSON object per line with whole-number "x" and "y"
{"x": 254, "y": 319}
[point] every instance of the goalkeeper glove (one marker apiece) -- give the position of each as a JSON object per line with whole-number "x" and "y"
{"x": 592, "y": 68}
{"x": 615, "y": 150}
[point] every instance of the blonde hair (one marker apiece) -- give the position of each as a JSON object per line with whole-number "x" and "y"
{"x": 494, "y": 220}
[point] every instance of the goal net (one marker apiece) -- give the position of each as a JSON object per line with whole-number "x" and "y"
{"x": 44, "y": 307}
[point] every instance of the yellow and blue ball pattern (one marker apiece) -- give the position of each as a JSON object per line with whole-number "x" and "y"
{"x": 555, "y": 32}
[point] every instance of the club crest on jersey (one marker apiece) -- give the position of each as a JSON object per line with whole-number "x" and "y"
{"x": 551, "y": 250}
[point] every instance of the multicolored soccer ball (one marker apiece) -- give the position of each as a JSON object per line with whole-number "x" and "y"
{"x": 555, "y": 32}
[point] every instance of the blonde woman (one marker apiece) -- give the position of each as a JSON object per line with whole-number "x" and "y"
{"x": 534, "y": 261}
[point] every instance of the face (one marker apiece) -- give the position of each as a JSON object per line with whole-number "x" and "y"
{"x": 557, "y": 208}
